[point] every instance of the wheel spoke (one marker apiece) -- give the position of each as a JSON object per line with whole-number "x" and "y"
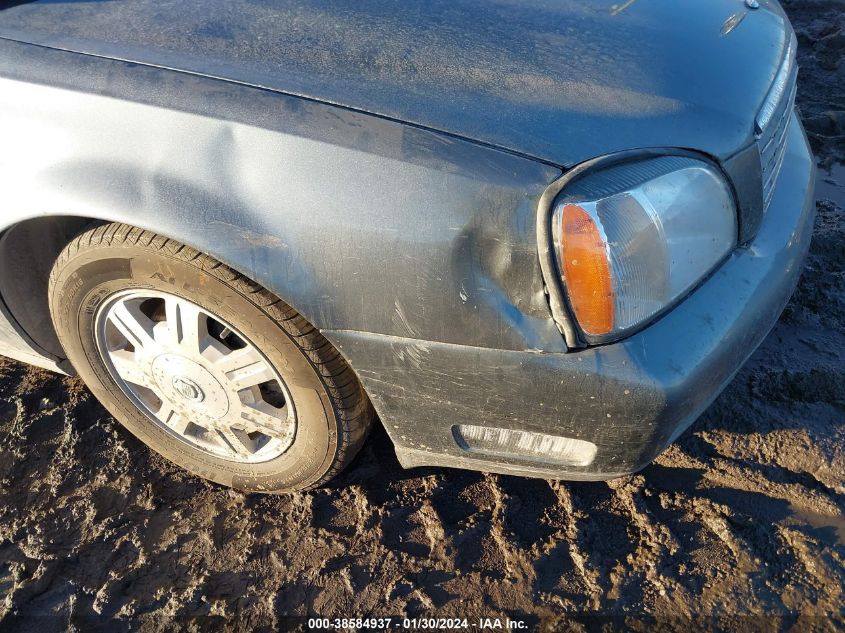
{"x": 186, "y": 324}
{"x": 266, "y": 419}
{"x": 134, "y": 325}
{"x": 176, "y": 422}
{"x": 131, "y": 369}
{"x": 238, "y": 359}
{"x": 232, "y": 439}
{"x": 245, "y": 368}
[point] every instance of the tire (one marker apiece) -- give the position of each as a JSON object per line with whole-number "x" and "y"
{"x": 322, "y": 411}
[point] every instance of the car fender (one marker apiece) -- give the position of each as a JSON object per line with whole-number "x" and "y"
{"x": 359, "y": 222}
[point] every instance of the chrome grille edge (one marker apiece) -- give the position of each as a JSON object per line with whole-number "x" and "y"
{"x": 772, "y": 121}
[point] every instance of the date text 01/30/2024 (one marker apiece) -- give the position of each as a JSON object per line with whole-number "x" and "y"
{"x": 417, "y": 623}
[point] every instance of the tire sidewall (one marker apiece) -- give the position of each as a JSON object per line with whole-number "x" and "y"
{"x": 87, "y": 280}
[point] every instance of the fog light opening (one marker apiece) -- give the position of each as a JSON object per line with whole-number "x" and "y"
{"x": 528, "y": 445}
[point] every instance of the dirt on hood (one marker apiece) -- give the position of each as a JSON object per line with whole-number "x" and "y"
{"x": 738, "y": 525}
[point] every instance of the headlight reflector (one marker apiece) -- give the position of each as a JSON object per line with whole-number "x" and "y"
{"x": 634, "y": 238}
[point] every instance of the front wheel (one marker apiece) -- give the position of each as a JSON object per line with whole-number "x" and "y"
{"x": 203, "y": 365}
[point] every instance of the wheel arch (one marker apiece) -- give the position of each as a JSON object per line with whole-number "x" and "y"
{"x": 28, "y": 250}
{"x": 30, "y": 247}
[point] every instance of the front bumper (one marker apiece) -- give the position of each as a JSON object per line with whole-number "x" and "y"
{"x": 631, "y": 398}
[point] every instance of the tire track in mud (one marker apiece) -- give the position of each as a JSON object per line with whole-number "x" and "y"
{"x": 740, "y": 518}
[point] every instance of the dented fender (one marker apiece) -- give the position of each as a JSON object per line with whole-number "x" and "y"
{"x": 360, "y": 223}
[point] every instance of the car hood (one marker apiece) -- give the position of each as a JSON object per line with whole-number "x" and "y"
{"x": 558, "y": 81}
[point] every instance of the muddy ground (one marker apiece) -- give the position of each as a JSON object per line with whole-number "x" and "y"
{"x": 739, "y": 524}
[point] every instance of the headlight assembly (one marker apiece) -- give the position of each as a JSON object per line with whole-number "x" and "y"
{"x": 634, "y": 238}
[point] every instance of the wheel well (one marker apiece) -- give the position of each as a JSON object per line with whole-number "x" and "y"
{"x": 27, "y": 253}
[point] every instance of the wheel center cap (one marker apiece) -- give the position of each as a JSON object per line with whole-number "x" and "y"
{"x": 188, "y": 389}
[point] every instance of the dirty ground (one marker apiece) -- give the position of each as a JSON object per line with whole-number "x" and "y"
{"x": 739, "y": 524}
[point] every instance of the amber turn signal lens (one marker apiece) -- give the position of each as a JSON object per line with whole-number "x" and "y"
{"x": 586, "y": 270}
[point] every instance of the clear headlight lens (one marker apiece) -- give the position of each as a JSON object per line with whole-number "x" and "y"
{"x": 634, "y": 238}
